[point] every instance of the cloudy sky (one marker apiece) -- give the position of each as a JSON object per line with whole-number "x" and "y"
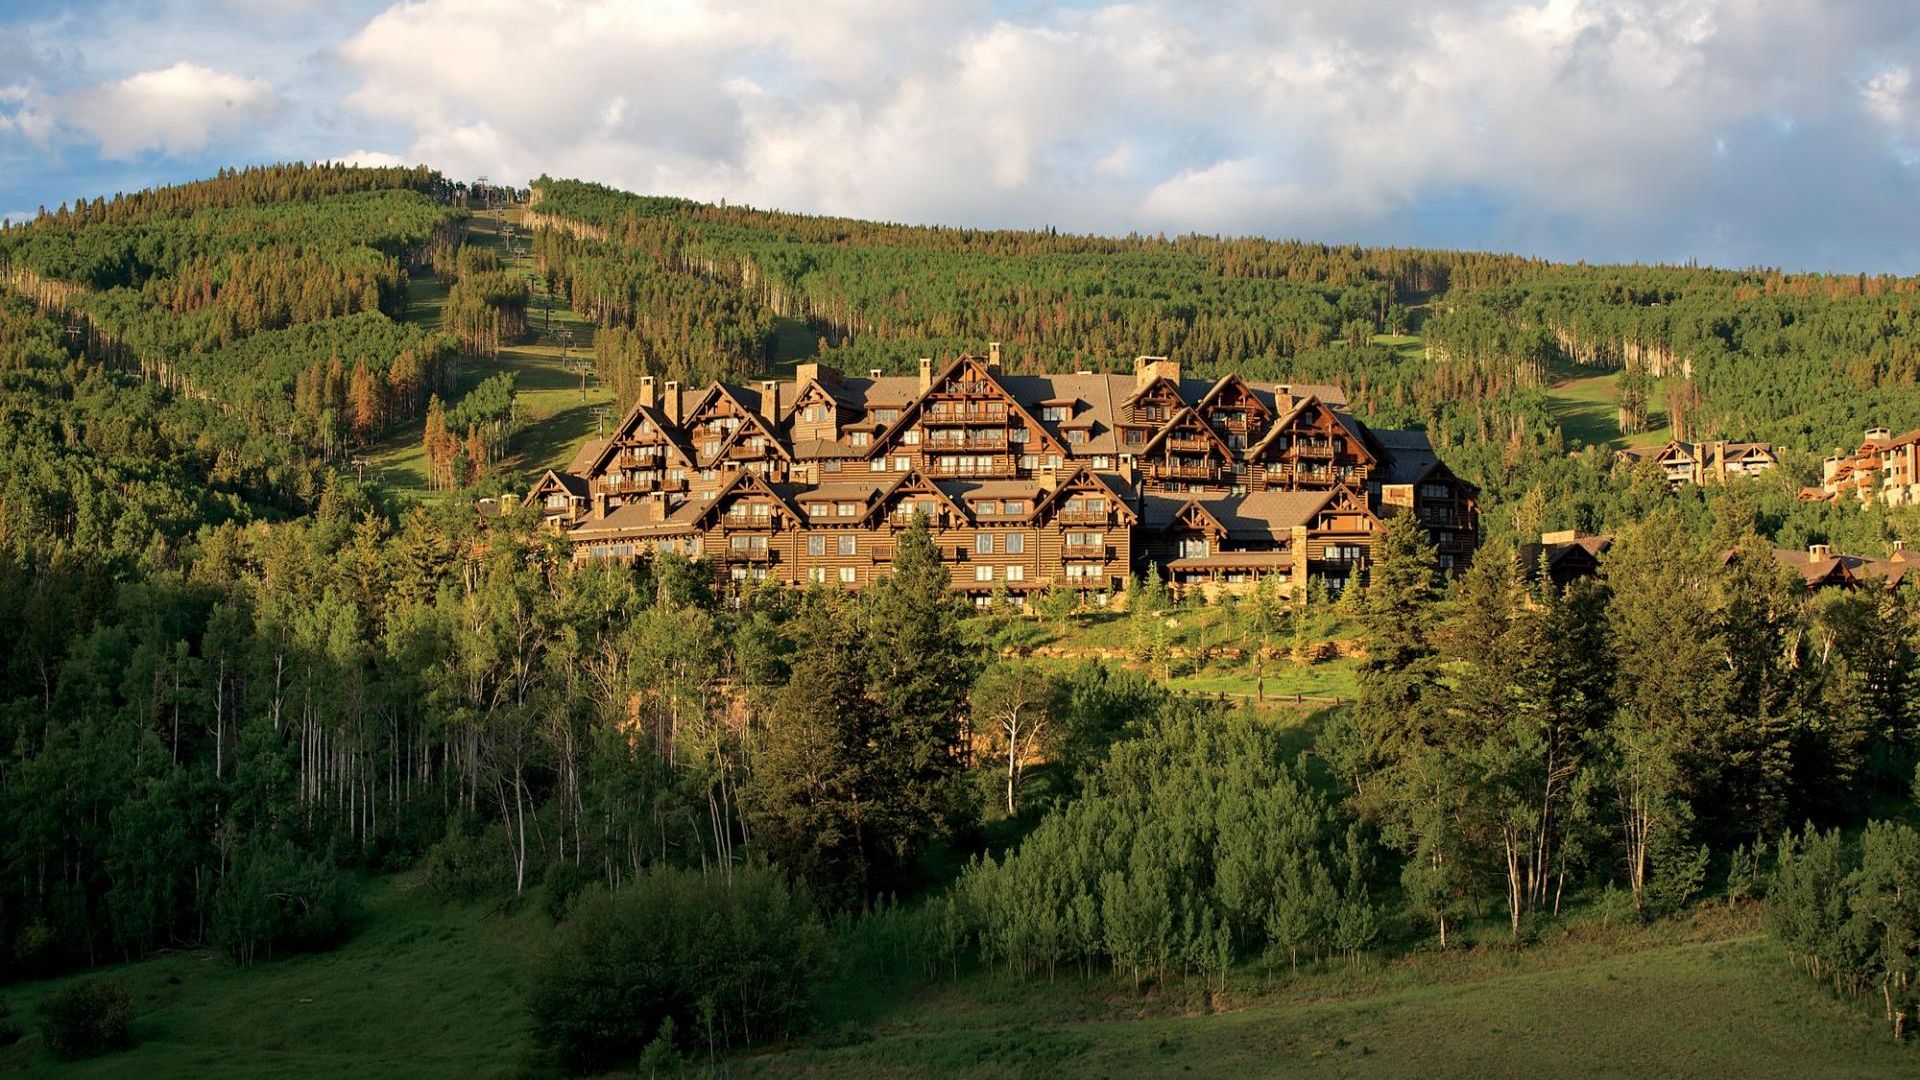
{"x": 1738, "y": 132}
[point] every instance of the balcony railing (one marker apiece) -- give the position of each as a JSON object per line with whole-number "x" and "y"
{"x": 1190, "y": 472}
{"x": 1083, "y": 517}
{"x": 977, "y": 440}
{"x": 1313, "y": 450}
{"x": 1083, "y": 552}
{"x": 1188, "y": 444}
{"x": 986, "y": 412}
{"x": 998, "y": 467}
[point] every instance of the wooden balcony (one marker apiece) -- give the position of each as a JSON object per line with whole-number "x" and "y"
{"x": 1085, "y": 552}
{"x": 1188, "y": 472}
{"x": 1082, "y": 517}
{"x": 764, "y": 555}
{"x": 984, "y": 412}
{"x": 1182, "y": 444}
{"x": 974, "y": 440}
{"x": 1313, "y": 450}
{"x": 999, "y": 467}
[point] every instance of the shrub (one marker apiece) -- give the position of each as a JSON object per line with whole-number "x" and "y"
{"x": 9, "y": 1031}
{"x": 562, "y": 883}
{"x": 86, "y": 1019}
{"x": 719, "y": 962}
{"x": 275, "y": 899}
{"x": 464, "y": 865}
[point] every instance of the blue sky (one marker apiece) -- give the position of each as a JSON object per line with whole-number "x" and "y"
{"x": 1736, "y": 132}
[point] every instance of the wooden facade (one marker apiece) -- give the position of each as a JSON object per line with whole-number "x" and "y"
{"x": 1025, "y": 479}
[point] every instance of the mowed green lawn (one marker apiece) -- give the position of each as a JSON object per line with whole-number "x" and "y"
{"x": 556, "y": 416}
{"x": 427, "y": 991}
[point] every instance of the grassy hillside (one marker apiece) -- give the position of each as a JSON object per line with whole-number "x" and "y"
{"x": 557, "y": 414}
{"x": 429, "y": 991}
{"x": 422, "y": 989}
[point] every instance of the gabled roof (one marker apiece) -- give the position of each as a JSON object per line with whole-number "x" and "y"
{"x": 629, "y": 424}
{"x": 1187, "y": 413}
{"x": 1083, "y": 479}
{"x": 567, "y": 482}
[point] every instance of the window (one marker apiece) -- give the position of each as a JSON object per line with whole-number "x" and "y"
{"x": 902, "y": 464}
{"x": 1102, "y": 461}
{"x": 813, "y": 414}
{"x": 762, "y": 511}
{"x": 861, "y": 438}
{"x": 1081, "y": 540}
{"x": 710, "y": 447}
{"x": 848, "y": 545}
{"x": 1435, "y": 491}
{"x": 1347, "y": 553}
{"x": 1076, "y": 436}
{"x": 1053, "y": 413}
{"x": 848, "y": 575}
{"x": 1016, "y": 506}
{"x": 1016, "y": 435}
{"x": 983, "y": 544}
{"x": 1137, "y": 436}
{"x": 738, "y": 511}
{"x": 819, "y": 509}
{"x": 847, "y": 510}
{"x": 1029, "y": 461}
{"x": 1016, "y": 543}
{"x": 886, "y": 416}
{"x": 817, "y": 573}
{"x": 983, "y": 572}
{"x": 1053, "y": 461}
{"x": 988, "y": 507}
{"x": 1016, "y": 573}
{"x": 1193, "y": 547}
{"x": 911, "y": 438}
{"x": 816, "y": 545}
{"x": 878, "y": 464}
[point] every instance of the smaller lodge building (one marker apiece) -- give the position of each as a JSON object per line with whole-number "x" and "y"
{"x": 1712, "y": 462}
{"x": 1565, "y": 556}
{"x": 1025, "y": 480}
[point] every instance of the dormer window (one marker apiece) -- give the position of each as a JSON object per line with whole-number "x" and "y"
{"x": 886, "y": 416}
{"x": 1053, "y": 414}
{"x": 861, "y": 438}
{"x": 988, "y": 506}
{"x": 1076, "y": 436}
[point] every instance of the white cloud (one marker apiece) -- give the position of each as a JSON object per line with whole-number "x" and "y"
{"x": 176, "y": 110}
{"x": 375, "y": 159}
{"x": 1734, "y": 130}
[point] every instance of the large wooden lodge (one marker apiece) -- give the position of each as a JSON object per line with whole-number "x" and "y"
{"x": 1025, "y": 479}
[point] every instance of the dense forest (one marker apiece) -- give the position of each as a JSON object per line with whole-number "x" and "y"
{"x": 235, "y": 681}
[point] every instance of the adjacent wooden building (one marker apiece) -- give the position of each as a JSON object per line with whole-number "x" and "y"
{"x": 1025, "y": 479}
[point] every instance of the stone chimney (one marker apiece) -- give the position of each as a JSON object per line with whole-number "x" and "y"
{"x": 672, "y": 402}
{"x": 926, "y": 374}
{"x": 993, "y": 356}
{"x": 770, "y": 402}
{"x": 1819, "y": 552}
{"x": 873, "y": 373}
{"x": 823, "y": 374}
{"x": 647, "y": 396}
{"x": 1148, "y": 368}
